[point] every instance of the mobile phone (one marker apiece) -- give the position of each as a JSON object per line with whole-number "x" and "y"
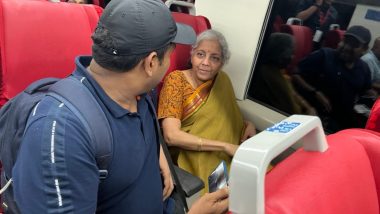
{"x": 218, "y": 178}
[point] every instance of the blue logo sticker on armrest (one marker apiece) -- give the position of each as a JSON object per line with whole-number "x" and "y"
{"x": 283, "y": 127}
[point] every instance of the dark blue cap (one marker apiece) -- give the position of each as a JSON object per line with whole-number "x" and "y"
{"x": 360, "y": 33}
{"x": 142, "y": 26}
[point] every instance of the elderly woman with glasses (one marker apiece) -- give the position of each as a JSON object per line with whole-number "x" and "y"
{"x": 198, "y": 111}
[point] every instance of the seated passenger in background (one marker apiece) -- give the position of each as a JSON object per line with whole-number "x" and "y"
{"x": 335, "y": 78}
{"x": 271, "y": 83}
{"x": 317, "y": 14}
{"x": 372, "y": 58}
{"x": 198, "y": 110}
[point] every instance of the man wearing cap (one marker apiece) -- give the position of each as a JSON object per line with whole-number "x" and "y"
{"x": 335, "y": 78}
{"x": 56, "y": 170}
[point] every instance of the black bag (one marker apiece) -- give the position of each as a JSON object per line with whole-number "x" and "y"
{"x": 14, "y": 116}
{"x": 190, "y": 185}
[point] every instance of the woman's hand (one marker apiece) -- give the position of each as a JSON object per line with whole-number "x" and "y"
{"x": 230, "y": 149}
{"x": 249, "y": 131}
{"x": 166, "y": 175}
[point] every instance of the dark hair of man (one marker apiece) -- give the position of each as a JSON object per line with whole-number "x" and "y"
{"x": 119, "y": 63}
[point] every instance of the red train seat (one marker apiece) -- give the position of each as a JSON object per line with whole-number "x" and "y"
{"x": 277, "y": 23}
{"x": 98, "y": 2}
{"x": 373, "y": 122}
{"x": 334, "y": 174}
{"x": 332, "y": 38}
{"x": 303, "y": 41}
{"x": 41, "y": 39}
{"x": 343, "y": 180}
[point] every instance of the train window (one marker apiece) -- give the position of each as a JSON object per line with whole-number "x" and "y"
{"x": 295, "y": 30}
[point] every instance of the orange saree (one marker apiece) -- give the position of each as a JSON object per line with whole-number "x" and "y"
{"x": 210, "y": 112}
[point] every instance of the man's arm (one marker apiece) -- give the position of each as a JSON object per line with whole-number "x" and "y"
{"x": 311, "y": 66}
{"x": 305, "y": 14}
{"x": 166, "y": 175}
{"x": 313, "y": 91}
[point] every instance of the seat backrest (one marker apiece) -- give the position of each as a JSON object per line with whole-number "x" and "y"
{"x": 41, "y": 39}
{"x": 180, "y": 57}
{"x": 99, "y": 3}
{"x": 277, "y": 23}
{"x": 333, "y": 37}
{"x": 343, "y": 180}
{"x": 303, "y": 41}
{"x": 373, "y": 122}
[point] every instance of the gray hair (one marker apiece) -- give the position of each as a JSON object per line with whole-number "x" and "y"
{"x": 214, "y": 35}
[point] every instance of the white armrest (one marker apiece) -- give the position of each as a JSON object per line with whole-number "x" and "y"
{"x": 334, "y": 27}
{"x": 253, "y": 157}
{"x": 293, "y": 20}
{"x": 189, "y": 5}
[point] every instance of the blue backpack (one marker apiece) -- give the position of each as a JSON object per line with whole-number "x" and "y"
{"x": 73, "y": 92}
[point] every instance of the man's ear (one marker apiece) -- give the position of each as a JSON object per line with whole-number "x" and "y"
{"x": 151, "y": 63}
{"x": 364, "y": 49}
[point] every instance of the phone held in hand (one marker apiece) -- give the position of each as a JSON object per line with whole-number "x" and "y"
{"x": 218, "y": 178}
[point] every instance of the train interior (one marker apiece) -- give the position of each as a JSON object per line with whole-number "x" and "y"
{"x": 316, "y": 170}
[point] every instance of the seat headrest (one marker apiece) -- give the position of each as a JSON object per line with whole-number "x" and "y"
{"x": 340, "y": 180}
{"x": 41, "y": 39}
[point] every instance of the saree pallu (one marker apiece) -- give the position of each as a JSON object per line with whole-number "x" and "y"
{"x": 218, "y": 118}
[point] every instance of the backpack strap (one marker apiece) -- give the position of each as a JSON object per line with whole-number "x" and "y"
{"x": 78, "y": 98}
{"x": 177, "y": 182}
{"x": 40, "y": 84}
